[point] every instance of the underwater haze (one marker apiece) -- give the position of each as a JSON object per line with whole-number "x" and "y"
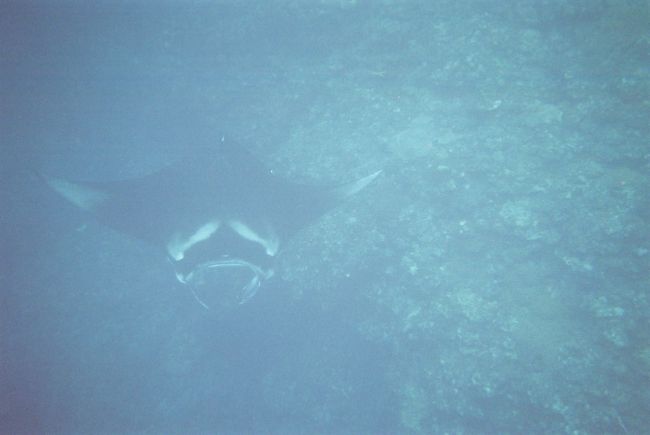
{"x": 494, "y": 278}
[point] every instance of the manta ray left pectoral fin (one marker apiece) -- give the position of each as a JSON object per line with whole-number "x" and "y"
{"x": 81, "y": 195}
{"x": 354, "y": 187}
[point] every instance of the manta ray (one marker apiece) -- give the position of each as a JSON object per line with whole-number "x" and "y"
{"x": 224, "y": 211}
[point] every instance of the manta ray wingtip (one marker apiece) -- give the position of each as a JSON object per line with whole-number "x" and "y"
{"x": 358, "y": 185}
{"x": 79, "y": 194}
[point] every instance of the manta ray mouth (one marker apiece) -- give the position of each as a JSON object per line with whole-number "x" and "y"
{"x": 210, "y": 274}
{"x": 192, "y": 254}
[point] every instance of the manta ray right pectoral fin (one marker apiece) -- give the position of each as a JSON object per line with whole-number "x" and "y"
{"x": 81, "y": 195}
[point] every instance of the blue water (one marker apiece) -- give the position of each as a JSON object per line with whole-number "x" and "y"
{"x": 494, "y": 279}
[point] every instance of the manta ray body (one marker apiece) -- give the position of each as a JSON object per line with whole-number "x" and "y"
{"x": 225, "y": 211}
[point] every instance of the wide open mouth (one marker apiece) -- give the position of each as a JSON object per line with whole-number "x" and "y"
{"x": 225, "y": 283}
